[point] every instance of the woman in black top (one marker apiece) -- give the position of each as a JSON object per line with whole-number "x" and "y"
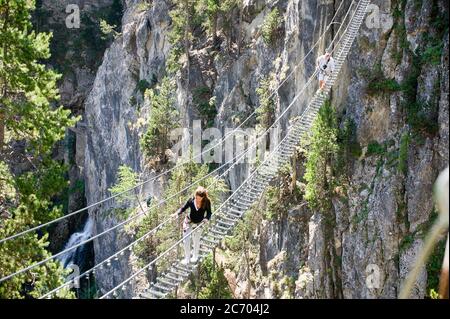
{"x": 199, "y": 205}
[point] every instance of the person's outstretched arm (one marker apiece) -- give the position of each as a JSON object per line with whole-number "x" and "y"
{"x": 183, "y": 209}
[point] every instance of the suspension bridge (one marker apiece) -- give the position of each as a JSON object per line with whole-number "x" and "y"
{"x": 171, "y": 273}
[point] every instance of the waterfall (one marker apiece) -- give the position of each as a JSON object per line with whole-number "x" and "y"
{"x": 71, "y": 256}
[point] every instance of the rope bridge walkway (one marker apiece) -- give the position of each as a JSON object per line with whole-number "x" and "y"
{"x": 233, "y": 209}
{"x": 171, "y": 273}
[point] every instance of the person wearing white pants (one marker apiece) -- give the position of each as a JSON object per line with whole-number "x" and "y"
{"x": 325, "y": 65}
{"x": 187, "y": 228}
{"x": 199, "y": 205}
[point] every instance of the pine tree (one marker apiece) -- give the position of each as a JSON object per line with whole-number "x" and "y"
{"x": 182, "y": 14}
{"x": 321, "y": 156}
{"x": 27, "y": 87}
{"x": 27, "y": 96}
{"x": 212, "y": 281}
{"x": 18, "y": 209}
{"x": 265, "y": 113}
{"x": 211, "y": 10}
{"x": 322, "y": 182}
{"x": 272, "y": 24}
{"x": 127, "y": 197}
{"x": 164, "y": 117}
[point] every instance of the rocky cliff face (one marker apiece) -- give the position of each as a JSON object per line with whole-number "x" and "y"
{"x": 396, "y": 205}
{"x": 113, "y": 112}
{"x": 391, "y": 207}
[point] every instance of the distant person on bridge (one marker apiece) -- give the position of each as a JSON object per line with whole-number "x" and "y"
{"x": 325, "y": 65}
{"x": 199, "y": 205}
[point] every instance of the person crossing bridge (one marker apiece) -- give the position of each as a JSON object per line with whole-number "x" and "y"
{"x": 200, "y": 212}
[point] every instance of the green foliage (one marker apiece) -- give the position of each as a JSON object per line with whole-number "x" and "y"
{"x": 227, "y": 6}
{"x": 433, "y": 294}
{"x": 276, "y": 291}
{"x": 383, "y": 85}
{"x": 38, "y": 188}
{"x": 433, "y": 53}
{"x": 378, "y": 83}
{"x": 271, "y": 27}
{"x": 347, "y": 136}
{"x": 434, "y": 41}
{"x": 265, "y": 113}
{"x": 421, "y": 115}
{"x": 321, "y": 157}
{"x": 173, "y": 60}
{"x": 399, "y": 28}
{"x": 290, "y": 285}
{"x": 272, "y": 195}
{"x": 7, "y": 190}
{"x": 434, "y": 267}
{"x": 279, "y": 197}
{"x": 406, "y": 242}
{"x": 28, "y": 87}
{"x": 108, "y": 30}
{"x": 212, "y": 280}
{"x": 208, "y": 10}
{"x": 110, "y": 20}
{"x": 17, "y": 213}
{"x": 89, "y": 43}
{"x": 126, "y": 179}
{"x": 375, "y": 149}
{"x": 242, "y": 232}
{"x": 143, "y": 85}
{"x": 242, "y": 244}
{"x": 133, "y": 101}
{"x": 143, "y": 6}
{"x": 205, "y": 103}
{"x": 228, "y": 10}
{"x": 27, "y": 114}
{"x": 164, "y": 117}
{"x": 180, "y": 36}
{"x": 25, "y": 252}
